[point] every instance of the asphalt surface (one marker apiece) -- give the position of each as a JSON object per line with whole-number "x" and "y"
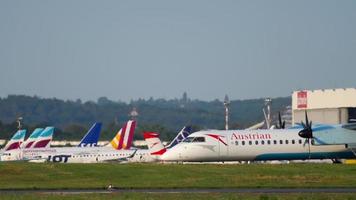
{"x": 189, "y": 190}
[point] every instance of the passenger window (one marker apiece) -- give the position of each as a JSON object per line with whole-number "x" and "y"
{"x": 280, "y": 141}
{"x": 293, "y": 142}
{"x": 300, "y": 141}
{"x": 287, "y": 141}
{"x": 274, "y": 141}
{"x": 243, "y": 142}
{"x": 262, "y": 142}
{"x": 236, "y": 142}
{"x": 268, "y": 141}
{"x": 256, "y": 142}
{"x": 250, "y": 142}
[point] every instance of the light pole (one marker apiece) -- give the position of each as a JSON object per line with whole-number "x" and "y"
{"x": 268, "y": 102}
{"x": 19, "y": 125}
{"x": 226, "y": 105}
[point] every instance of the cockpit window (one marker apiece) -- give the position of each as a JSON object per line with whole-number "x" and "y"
{"x": 194, "y": 139}
{"x": 199, "y": 139}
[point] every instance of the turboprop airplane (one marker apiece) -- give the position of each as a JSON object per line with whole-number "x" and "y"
{"x": 299, "y": 143}
{"x": 76, "y": 154}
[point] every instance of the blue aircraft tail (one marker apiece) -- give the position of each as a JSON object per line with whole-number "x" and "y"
{"x": 181, "y": 136}
{"x": 92, "y": 137}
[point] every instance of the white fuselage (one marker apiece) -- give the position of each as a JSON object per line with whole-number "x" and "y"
{"x": 246, "y": 145}
{"x": 68, "y": 154}
{"x": 142, "y": 155}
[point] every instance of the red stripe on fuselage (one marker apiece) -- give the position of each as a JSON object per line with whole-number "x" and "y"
{"x": 218, "y": 137}
{"x": 160, "y": 152}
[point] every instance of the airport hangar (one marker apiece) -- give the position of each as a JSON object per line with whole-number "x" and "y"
{"x": 329, "y": 106}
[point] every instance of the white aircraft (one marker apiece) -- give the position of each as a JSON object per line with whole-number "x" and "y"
{"x": 40, "y": 138}
{"x": 112, "y": 152}
{"x": 144, "y": 155}
{"x": 298, "y": 143}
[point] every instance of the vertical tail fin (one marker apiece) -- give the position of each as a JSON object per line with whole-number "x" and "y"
{"x": 92, "y": 136}
{"x": 123, "y": 138}
{"x": 32, "y": 139}
{"x": 128, "y": 134}
{"x": 184, "y": 133}
{"x": 16, "y": 140}
{"x": 115, "y": 141}
{"x": 154, "y": 143}
{"x": 45, "y": 138}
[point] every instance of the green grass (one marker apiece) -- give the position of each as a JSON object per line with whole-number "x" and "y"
{"x": 184, "y": 196}
{"x": 59, "y": 176}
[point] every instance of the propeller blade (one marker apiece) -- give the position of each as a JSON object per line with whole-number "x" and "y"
{"x": 307, "y": 131}
{"x": 304, "y": 126}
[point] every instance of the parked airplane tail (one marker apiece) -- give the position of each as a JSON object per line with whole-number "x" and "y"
{"x": 16, "y": 140}
{"x": 154, "y": 143}
{"x": 45, "y": 138}
{"x": 184, "y": 133}
{"x": 92, "y": 136}
{"x": 115, "y": 141}
{"x": 123, "y": 138}
{"x": 32, "y": 138}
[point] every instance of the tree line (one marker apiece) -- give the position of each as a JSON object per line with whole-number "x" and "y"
{"x": 73, "y": 118}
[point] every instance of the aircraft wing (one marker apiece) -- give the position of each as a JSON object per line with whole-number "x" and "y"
{"x": 122, "y": 159}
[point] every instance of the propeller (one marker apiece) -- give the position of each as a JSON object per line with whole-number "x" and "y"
{"x": 307, "y": 131}
{"x": 280, "y": 125}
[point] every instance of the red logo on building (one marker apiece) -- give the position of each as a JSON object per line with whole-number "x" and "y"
{"x": 302, "y": 99}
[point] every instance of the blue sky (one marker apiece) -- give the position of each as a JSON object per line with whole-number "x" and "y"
{"x": 130, "y": 49}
